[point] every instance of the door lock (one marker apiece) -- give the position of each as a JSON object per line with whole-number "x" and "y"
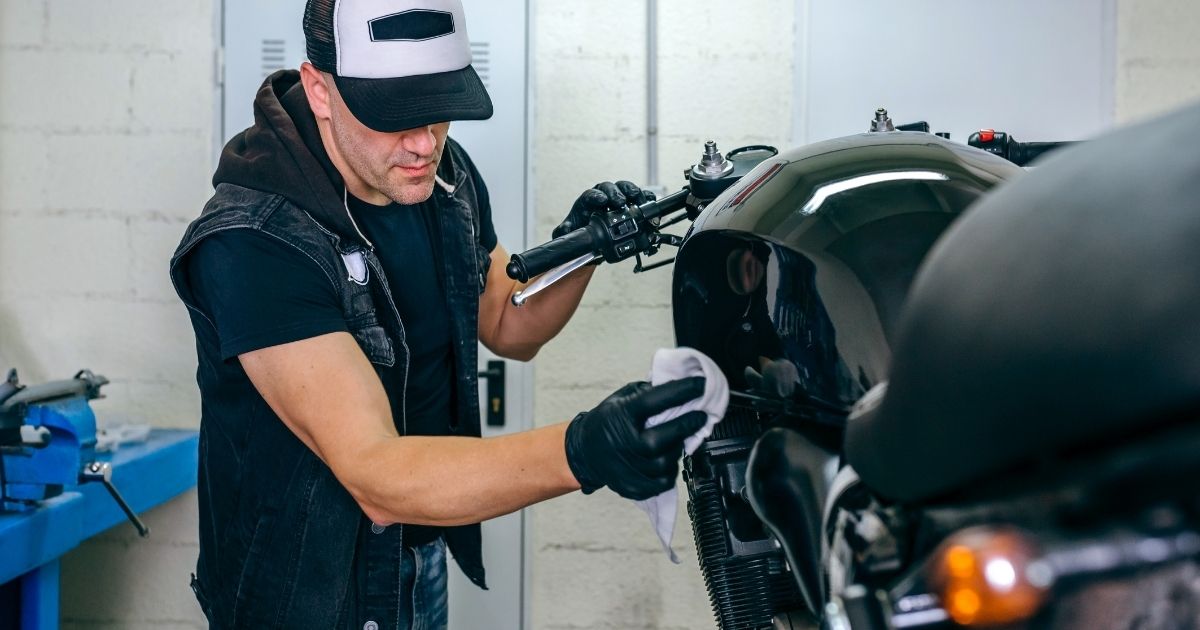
{"x": 494, "y": 375}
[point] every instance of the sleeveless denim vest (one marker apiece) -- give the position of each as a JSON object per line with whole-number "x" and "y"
{"x": 278, "y": 533}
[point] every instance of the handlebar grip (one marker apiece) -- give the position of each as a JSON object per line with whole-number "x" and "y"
{"x": 1026, "y": 152}
{"x": 547, "y": 256}
{"x": 1005, "y": 146}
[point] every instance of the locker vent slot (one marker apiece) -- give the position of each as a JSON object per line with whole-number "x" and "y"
{"x": 274, "y": 56}
{"x": 481, "y": 58}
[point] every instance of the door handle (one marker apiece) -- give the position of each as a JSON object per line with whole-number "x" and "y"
{"x": 494, "y": 375}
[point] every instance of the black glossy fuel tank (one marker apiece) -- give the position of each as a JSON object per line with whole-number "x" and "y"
{"x": 810, "y": 256}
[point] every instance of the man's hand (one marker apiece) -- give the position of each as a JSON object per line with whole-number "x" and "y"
{"x": 609, "y": 446}
{"x": 601, "y": 198}
{"x": 518, "y": 333}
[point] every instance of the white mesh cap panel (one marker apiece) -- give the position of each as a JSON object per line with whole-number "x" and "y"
{"x": 361, "y": 58}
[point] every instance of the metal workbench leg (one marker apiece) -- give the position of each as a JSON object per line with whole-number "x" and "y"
{"x": 39, "y": 598}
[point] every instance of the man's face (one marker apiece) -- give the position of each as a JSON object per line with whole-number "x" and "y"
{"x": 399, "y": 165}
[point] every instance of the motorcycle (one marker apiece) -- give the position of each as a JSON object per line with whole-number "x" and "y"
{"x": 1031, "y": 461}
{"x": 792, "y": 277}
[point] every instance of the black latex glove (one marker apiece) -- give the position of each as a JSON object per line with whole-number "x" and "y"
{"x": 608, "y": 445}
{"x": 602, "y": 197}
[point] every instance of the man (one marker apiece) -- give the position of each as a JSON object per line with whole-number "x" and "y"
{"x": 338, "y": 282}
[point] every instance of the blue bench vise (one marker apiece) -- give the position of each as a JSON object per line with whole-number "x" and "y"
{"x": 48, "y": 443}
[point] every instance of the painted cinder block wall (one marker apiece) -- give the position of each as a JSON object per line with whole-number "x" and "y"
{"x": 725, "y": 73}
{"x": 106, "y": 116}
{"x": 1158, "y": 56}
{"x": 105, "y": 154}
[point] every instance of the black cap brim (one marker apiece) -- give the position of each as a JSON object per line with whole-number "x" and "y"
{"x": 390, "y": 105}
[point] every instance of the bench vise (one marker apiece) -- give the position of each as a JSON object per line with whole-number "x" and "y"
{"x": 48, "y": 442}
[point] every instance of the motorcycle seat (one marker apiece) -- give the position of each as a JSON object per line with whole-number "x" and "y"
{"x": 1059, "y": 316}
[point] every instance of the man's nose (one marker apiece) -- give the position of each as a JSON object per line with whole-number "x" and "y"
{"x": 420, "y": 141}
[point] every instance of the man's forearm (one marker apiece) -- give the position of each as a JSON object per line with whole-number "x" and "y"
{"x": 448, "y": 481}
{"x": 523, "y": 331}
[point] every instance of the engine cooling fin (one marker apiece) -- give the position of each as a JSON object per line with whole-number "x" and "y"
{"x": 744, "y": 571}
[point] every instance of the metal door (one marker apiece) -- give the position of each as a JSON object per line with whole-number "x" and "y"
{"x": 262, "y": 36}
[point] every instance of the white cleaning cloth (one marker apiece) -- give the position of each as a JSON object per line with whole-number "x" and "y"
{"x": 672, "y": 365}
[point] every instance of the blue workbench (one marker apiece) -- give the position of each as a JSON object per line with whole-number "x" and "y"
{"x": 31, "y": 543}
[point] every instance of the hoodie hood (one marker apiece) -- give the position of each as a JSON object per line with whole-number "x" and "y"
{"x": 283, "y": 154}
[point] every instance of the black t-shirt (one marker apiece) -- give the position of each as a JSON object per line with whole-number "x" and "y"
{"x": 261, "y": 292}
{"x": 402, "y": 236}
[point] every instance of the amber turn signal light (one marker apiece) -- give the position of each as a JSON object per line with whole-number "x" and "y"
{"x": 990, "y": 576}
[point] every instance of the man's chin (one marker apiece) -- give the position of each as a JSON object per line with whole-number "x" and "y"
{"x": 411, "y": 193}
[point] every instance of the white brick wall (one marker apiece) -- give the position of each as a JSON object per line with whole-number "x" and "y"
{"x": 118, "y": 581}
{"x": 105, "y": 125}
{"x": 726, "y": 73}
{"x": 1158, "y": 57}
{"x": 105, "y": 118}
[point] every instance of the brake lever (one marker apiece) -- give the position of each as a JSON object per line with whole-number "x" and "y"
{"x": 550, "y": 278}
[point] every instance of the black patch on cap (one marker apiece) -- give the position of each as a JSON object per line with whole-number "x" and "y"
{"x": 412, "y": 26}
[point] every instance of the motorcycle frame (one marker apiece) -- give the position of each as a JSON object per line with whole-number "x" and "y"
{"x": 1121, "y": 536}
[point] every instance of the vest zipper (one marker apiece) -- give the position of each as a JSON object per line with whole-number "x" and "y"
{"x": 403, "y": 421}
{"x": 404, "y": 431}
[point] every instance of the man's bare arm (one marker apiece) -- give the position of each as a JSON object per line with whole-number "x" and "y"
{"x": 518, "y": 333}
{"x": 329, "y": 395}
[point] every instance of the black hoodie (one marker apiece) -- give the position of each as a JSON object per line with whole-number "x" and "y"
{"x": 283, "y": 154}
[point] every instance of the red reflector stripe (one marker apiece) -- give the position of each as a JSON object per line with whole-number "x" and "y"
{"x": 755, "y": 185}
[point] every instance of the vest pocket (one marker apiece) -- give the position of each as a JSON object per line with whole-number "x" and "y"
{"x": 375, "y": 344}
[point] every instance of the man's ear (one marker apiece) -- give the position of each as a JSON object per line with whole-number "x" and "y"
{"x": 316, "y": 89}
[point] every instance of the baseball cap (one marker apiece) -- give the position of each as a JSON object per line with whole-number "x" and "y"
{"x": 398, "y": 64}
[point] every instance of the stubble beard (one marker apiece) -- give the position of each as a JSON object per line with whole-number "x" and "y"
{"x": 386, "y": 179}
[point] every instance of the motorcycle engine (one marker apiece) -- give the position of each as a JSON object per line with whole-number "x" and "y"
{"x": 791, "y": 282}
{"x": 747, "y": 576}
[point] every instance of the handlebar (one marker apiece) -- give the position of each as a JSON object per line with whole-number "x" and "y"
{"x": 614, "y": 236}
{"x": 1005, "y": 146}
{"x": 620, "y": 234}
{"x": 545, "y": 257}
{"x": 1025, "y": 152}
